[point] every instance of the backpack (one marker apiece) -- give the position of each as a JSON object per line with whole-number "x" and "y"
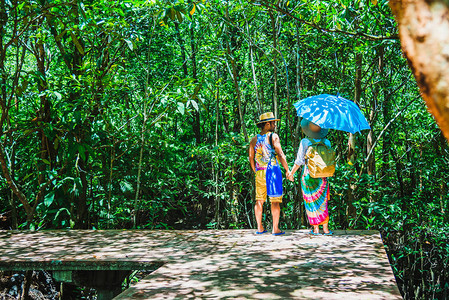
{"x": 320, "y": 159}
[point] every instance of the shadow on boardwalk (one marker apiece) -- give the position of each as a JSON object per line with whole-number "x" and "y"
{"x": 215, "y": 263}
{"x": 240, "y": 264}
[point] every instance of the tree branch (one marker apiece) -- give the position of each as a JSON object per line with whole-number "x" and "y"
{"x": 316, "y": 26}
{"x": 388, "y": 125}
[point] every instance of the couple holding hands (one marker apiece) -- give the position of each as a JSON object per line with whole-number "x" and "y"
{"x": 315, "y": 191}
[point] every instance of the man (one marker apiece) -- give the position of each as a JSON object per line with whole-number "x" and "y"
{"x": 259, "y": 156}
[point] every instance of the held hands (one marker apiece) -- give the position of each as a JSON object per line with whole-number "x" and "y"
{"x": 289, "y": 176}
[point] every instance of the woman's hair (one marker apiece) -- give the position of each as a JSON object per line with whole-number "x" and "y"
{"x": 261, "y": 125}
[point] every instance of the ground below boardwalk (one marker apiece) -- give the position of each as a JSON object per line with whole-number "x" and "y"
{"x": 237, "y": 264}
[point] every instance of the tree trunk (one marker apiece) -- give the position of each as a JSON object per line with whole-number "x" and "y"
{"x": 351, "y": 211}
{"x": 443, "y": 189}
{"x": 235, "y": 212}
{"x": 25, "y": 295}
{"x": 146, "y": 113}
{"x": 256, "y": 86}
{"x": 196, "y": 113}
{"x": 298, "y": 65}
{"x": 371, "y": 162}
{"x": 386, "y": 137}
{"x": 111, "y": 170}
{"x": 47, "y": 149}
{"x": 139, "y": 170}
{"x": 82, "y": 131}
{"x": 298, "y": 87}
{"x": 12, "y": 167}
{"x": 262, "y": 84}
{"x": 183, "y": 49}
{"x": 234, "y": 74}
{"x": 275, "y": 73}
{"x": 424, "y": 33}
{"x": 298, "y": 208}
{"x": 74, "y": 64}
{"x": 215, "y": 165}
{"x": 399, "y": 170}
{"x": 5, "y": 105}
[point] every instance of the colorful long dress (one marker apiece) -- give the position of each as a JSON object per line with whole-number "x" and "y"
{"x": 315, "y": 191}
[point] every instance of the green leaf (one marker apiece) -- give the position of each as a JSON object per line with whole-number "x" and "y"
{"x": 61, "y": 210}
{"x": 77, "y": 43}
{"x": 82, "y": 152}
{"x": 58, "y": 95}
{"x": 82, "y": 10}
{"x": 130, "y": 44}
{"x": 19, "y": 91}
{"x": 179, "y": 16}
{"x": 126, "y": 186}
{"x": 171, "y": 13}
{"x": 27, "y": 176}
{"x": 181, "y": 108}
{"x": 195, "y": 104}
{"x": 77, "y": 115}
{"x": 49, "y": 198}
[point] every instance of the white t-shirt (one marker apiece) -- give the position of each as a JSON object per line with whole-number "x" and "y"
{"x": 303, "y": 146}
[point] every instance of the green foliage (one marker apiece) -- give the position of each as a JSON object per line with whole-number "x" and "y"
{"x": 86, "y": 89}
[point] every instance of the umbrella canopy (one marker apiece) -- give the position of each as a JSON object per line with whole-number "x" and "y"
{"x": 332, "y": 112}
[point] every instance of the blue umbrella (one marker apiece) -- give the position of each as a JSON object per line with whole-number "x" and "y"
{"x": 332, "y": 112}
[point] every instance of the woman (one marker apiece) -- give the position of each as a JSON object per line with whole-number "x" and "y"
{"x": 315, "y": 191}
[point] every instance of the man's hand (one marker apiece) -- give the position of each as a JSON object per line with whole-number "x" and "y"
{"x": 288, "y": 175}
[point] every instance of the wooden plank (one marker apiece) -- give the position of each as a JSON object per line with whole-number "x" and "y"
{"x": 82, "y": 249}
{"x": 238, "y": 264}
{"x": 91, "y": 249}
{"x": 215, "y": 263}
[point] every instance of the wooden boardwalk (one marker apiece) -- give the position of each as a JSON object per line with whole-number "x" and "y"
{"x": 222, "y": 264}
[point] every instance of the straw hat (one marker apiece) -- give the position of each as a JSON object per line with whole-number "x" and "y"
{"x": 310, "y": 129}
{"x": 267, "y": 117}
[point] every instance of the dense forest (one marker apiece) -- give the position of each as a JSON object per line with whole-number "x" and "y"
{"x": 138, "y": 114}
